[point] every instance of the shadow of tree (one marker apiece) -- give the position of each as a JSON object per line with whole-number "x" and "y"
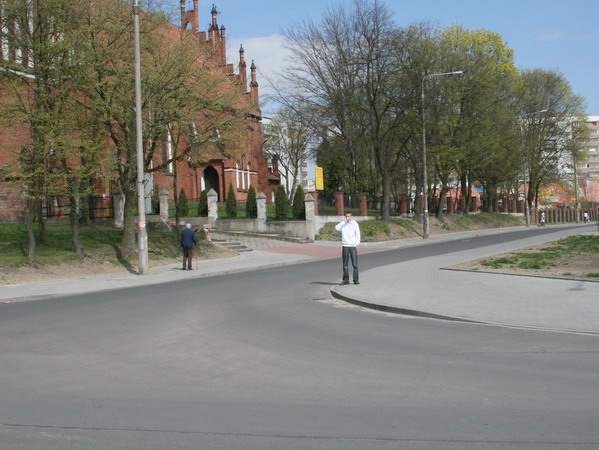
{"x": 121, "y": 258}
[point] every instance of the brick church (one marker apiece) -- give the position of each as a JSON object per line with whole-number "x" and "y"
{"x": 251, "y": 168}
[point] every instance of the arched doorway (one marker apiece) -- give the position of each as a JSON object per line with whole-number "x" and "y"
{"x": 211, "y": 179}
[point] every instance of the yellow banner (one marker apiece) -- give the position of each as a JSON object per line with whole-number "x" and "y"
{"x": 319, "y": 179}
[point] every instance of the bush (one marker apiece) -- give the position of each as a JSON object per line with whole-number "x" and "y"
{"x": 299, "y": 204}
{"x": 251, "y": 206}
{"x": 281, "y": 204}
{"x": 231, "y": 203}
{"x": 203, "y": 204}
{"x": 182, "y": 204}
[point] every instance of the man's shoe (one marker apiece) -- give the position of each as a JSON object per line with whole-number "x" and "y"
{"x": 356, "y": 282}
{"x": 343, "y": 282}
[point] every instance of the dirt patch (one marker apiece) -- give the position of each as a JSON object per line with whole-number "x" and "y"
{"x": 89, "y": 266}
{"x": 573, "y": 267}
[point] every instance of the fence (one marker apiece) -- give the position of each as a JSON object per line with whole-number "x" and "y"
{"x": 99, "y": 207}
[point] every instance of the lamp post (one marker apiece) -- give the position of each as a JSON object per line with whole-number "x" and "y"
{"x": 425, "y": 226}
{"x": 142, "y": 234}
{"x": 525, "y": 187}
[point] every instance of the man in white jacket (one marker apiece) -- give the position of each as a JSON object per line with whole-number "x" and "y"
{"x": 350, "y": 239}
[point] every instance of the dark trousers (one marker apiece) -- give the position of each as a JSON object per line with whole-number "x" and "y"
{"x": 347, "y": 253}
{"x": 187, "y": 257}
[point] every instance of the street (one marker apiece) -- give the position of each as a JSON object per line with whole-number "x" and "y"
{"x": 268, "y": 359}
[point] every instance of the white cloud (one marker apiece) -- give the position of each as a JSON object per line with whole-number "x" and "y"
{"x": 269, "y": 54}
{"x": 555, "y": 36}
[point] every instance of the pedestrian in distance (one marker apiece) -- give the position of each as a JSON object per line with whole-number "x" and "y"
{"x": 187, "y": 240}
{"x": 542, "y": 220}
{"x": 350, "y": 239}
{"x": 585, "y": 216}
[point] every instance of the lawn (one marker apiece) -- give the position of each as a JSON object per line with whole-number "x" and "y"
{"x": 100, "y": 243}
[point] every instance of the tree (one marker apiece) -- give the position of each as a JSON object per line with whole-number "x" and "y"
{"x": 552, "y": 124}
{"x": 299, "y": 204}
{"x": 251, "y": 205}
{"x": 182, "y": 204}
{"x": 281, "y": 203}
{"x": 287, "y": 138}
{"x": 203, "y": 204}
{"x": 484, "y": 109}
{"x": 231, "y": 202}
{"x": 40, "y": 77}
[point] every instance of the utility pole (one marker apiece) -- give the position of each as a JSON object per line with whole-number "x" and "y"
{"x": 142, "y": 232}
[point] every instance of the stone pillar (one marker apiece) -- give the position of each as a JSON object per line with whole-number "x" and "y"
{"x": 505, "y": 204}
{"x": 339, "y": 206}
{"x": 119, "y": 209}
{"x": 310, "y": 216}
{"x": 314, "y": 195}
{"x": 163, "y": 195}
{"x": 363, "y": 203}
{"x": 261, "y": 216}
{"x": 521, "y": 206}
{"x": 462, "y": 205}
{"x": 212, "y": 205}
{"x": 514, "y": 205}
{"x": 403, "y": 205}
{"x": 475, "y": 204}
{"x": 449, "y": 205}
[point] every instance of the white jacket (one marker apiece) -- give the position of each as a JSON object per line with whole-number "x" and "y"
{"x": 350, "y": 233}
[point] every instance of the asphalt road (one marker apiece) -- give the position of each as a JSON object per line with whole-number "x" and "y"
{"x": 266, "y": 359}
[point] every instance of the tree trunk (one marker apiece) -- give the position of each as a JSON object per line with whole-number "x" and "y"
{"x": 128, "y": 237}
{"x": 39, "y": 215}
{"x": 441, "y": 202}
{"x": 386, "y": 196}
{"x": 74, "y": 219}
{"x": 31, "y": 208}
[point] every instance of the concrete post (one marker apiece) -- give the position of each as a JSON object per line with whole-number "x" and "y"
{"x": 261, "y": 206}
{"x": 339, "y": 206}
{"x": 119, "y": 209}
{"x": 310, "y": 217}
{"x": 314, "y": 194}
{"x": 163, "y": 195}
{"x": 363, "y": 204}
{"x": 212, "y": 205}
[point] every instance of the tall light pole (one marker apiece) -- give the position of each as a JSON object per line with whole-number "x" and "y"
{"x": 525, "y": 187}
{"x": 425, "y": 227}
{"x": 142, "y": 234}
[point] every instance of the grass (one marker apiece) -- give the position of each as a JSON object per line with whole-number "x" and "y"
{"x": 100, "y": 243}
{"x": 570, "y": 247}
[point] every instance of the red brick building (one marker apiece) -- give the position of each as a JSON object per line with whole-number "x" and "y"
{"x": 250, "y": 168}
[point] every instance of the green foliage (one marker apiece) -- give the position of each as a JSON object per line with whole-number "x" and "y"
{"x": 299, "y": 204}
{"x": 281, "y": 204}
{"x": 373, "y": 228}
{"x": 251, "y": 206}
{"x": 231, "y": 203}
{"x": 182, "y": 204}
{"x": 203, "y": 204}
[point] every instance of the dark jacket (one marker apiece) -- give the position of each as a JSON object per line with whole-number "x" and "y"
{"x": 187, "y": 238}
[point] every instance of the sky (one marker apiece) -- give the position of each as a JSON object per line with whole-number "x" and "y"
{"x": 548, "y": 34}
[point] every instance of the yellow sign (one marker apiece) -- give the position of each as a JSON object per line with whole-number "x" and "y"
{"x": 319, "y": 179}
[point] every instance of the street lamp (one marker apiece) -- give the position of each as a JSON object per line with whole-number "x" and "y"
{"x": 425, "y": 227}
{"x": 526, "y": 188}
{"x": 142, "y": 234}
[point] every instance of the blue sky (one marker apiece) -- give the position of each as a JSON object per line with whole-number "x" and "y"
{"x": 548, "y": 34}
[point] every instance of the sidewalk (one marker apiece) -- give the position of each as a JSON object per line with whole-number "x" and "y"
{"x": 416, "y": 287}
